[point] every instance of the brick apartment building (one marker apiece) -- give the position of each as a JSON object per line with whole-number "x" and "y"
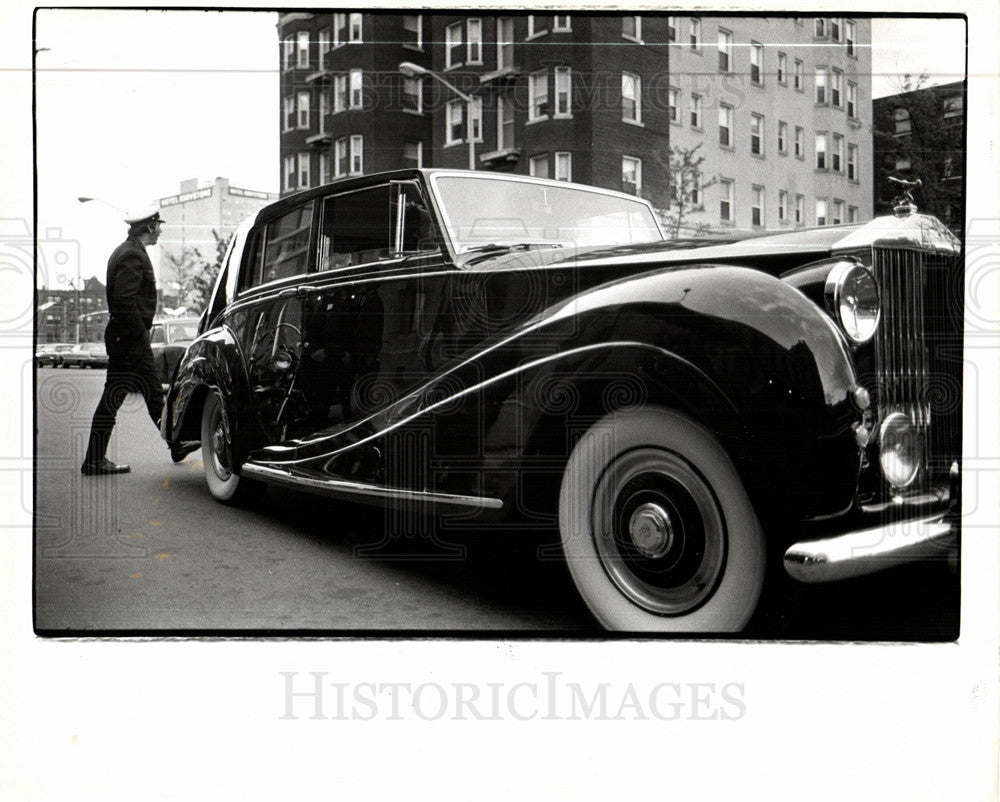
{"x": 921, "y": 134}
{"x": 780, "y": 107}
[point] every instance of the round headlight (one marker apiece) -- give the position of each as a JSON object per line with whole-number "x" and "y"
{"x": 852, "y": 295}
{"x": 900, "y": 451}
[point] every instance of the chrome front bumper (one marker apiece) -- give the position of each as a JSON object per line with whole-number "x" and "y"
{"x": 867, "y": 551}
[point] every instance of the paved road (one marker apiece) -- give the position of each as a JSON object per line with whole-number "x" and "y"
{"x": 151, "y": 550}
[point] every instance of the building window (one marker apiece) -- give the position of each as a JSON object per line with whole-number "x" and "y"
{"x": 505, "y": 43}
{"x": 725, "y": 50}
{"x": 357, "y": 154}
{"x": 757, "y": 206}
{"x": 324, "y": 48}
{"x": 455, "y": 117}
{"x": 850, "y": 30}
{"x": 339, "y": 25}
{"x": 782, "y": 206}
{"x": 357, "y": 89}
{"x": 474, "y": 49}
{"x": 852, "y": 100}
{"x": 757, "y": 134}
{"x": 836, "y": 84}
{"x": 538, "y": 91}
{"x": 302, "y": 50}
{"x": 695, "y": 111}
{"x": 835, "y": 29}
{"x": 800, "y": 210}
{"x": 695, "y": 189}
{"x": 694, "y": 38}
{"x": 538, "y": 166}
{"x": 797, "y": 76}
{"x": 725, "y": 125}
{"x": 413, "y": 31}
{"x": 413, "y": 95}
{"x": 821, "y": 84}
{"x": 952, "y": 106}
{"x": 837, "y": 154}
{"x": 454, "y": 45}
{"x": 287, "y": 51}
{"x": 631, "y": 98}
{"x": 902, "y": 122}
{"x": 800, "y": 139}
{"x": 727, "y": 212}
{"x": 288, "y": 118}
{"x": 339, "y": 93}
{"x": 413, "y": 153}
{"x": 757, "y": 63}
{"x": 673, "y": 98}
{"x": 838, "y": 212}
{"x": 533, "y": 29}
{"x": 303, "y": 170}
{"x": 782, "y": 137}
{"x": 324, "y": 168}
{"x": 340, "y": 163}
{"x": 477, "y": 119}
{"x": 289, "y": 172}
{"x": 324, "y": 110}
{"x": 903, "y": 163}
{"x": 632, "y": 174}
{"x": 505, "y": 124}
{"x": 820, "y": 151}
{"x": 852, "y": 162}
{"x": 671, "y": 29}
{"x": 821, "y": 212}
{"x": 820, "y": 27}
{"x": 303, "y": 110}
{"x": 354, "y": 32}
{"x": 564, "y": 167}
{"x": 561, "y": 23}
{"x": 852, "y": 214}
{"x": 632, "y": 28}
{"x": 782, "y": 68}
{"x": 564, "y": 92}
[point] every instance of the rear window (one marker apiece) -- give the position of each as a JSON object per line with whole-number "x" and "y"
{"x": 280, "y": 249}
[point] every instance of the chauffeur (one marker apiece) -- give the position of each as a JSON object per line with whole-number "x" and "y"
{"x": 131, "y": 290}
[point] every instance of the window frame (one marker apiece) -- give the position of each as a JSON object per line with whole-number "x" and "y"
{"x": 636, "y": 162}
{"x": 563, "y": 74}
{"x": 756, "y": 122}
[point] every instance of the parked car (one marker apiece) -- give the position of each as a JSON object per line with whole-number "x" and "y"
{"x": 51, "y": 354}
{"x": 169, "y": 338}
{"x": 86, "y": 355}
{"x": 529, "y": 352}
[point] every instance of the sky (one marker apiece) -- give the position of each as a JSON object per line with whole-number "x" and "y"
{"x": 130, "y": 103}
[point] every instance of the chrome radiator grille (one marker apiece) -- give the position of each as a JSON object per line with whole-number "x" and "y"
{"x": 918, "y": 350}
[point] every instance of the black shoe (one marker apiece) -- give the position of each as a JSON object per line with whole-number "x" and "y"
{"x": 180, "y": 450}
{"x": 105, "y": 466}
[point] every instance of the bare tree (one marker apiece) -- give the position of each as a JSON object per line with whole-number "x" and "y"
{"x": 685, "y": 196}
{"x": 196, "y": 275}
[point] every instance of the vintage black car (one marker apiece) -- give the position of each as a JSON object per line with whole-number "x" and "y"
{"x": 51, "y": 354}
{"x": 690, "y": 414}
{"x": 85, "y": 355}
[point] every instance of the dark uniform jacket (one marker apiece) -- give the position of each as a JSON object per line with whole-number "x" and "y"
{"x": 131, "y": 292}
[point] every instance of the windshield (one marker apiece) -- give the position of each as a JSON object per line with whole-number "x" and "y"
{"x": 481, "y": 211}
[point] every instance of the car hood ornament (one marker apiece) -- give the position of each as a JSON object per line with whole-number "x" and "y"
{"x": 902, "y": 204}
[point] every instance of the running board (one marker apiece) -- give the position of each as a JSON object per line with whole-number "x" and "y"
{"x": 359, "y": 491}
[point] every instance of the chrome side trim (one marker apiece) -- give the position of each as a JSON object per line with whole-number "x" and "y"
{"x": 870, "y": 550}
{"x": 358, "y": 491}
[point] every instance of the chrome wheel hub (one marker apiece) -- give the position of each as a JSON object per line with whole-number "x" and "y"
{"x": 651, "y": 530}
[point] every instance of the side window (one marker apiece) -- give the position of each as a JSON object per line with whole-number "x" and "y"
{"x": 357, "y": 228}
{"x": 278, "y": 250}
{"x": 156, "y": 335}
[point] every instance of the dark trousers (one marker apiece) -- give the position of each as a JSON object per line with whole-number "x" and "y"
{"x": 130, "y": 370}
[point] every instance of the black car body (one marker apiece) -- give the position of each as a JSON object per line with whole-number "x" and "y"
{"x": 530, "y": 352}
{"x": 169, "y": 339}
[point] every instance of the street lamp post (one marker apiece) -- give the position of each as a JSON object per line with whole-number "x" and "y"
{"x": 411, "y": 70}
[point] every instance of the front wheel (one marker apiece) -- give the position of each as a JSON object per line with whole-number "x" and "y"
{"x": 657, "y": 529}
{"x": 216, "y": 454}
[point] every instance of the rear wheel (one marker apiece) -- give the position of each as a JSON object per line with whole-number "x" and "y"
{"x": 657, "y": 529}
{"x": 223, "y": 483}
